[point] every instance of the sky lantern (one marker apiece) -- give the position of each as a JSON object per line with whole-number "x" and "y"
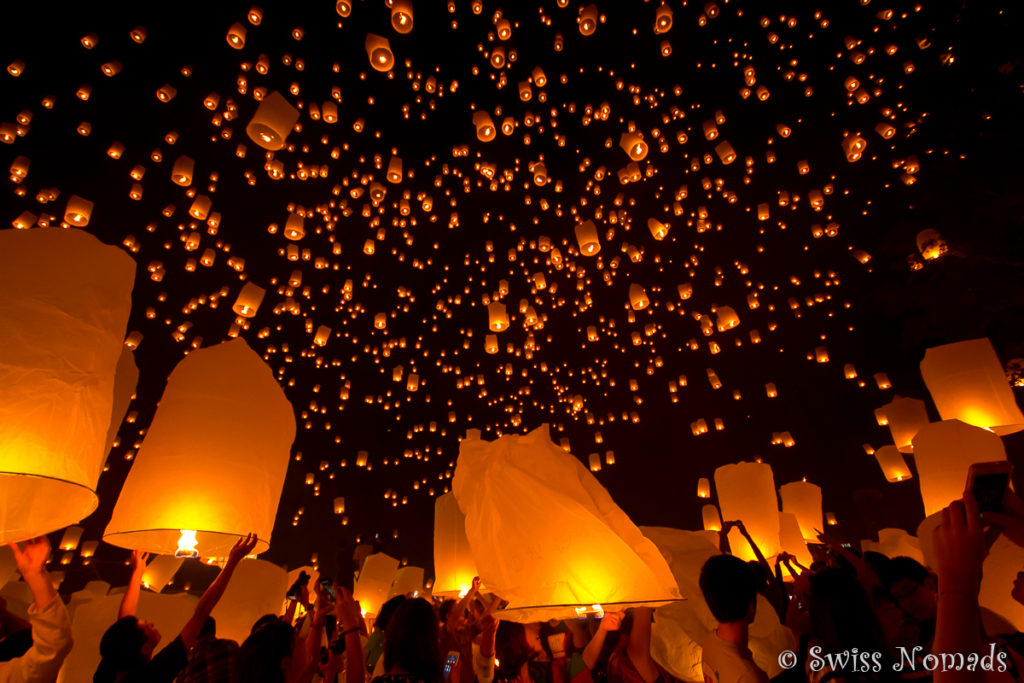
{"x": 485, "y": 130}
{"x": 588, "y": 20}
{"x": 703, "y": 488}
{"x": 893, "y": 464}
{"x": 373, "y": 586}
{"x": 746, "y": 492}
{"x": 803, "y": 500}
{"x": 793, "y": 542}
{"x": 943, "y": 452}
{"x": 256, "y": 589}
{"x": 519, "y": 494}
{"x": 662, "y": 19}
{"x": 659, "y": 230}
{"x": 454, "y": 566}
{"x": 272, "y": 122}
{"x": 709, "y": 515}
{"x": 632, "y": 142}
{"x": 213, "y": 463}
{"x": 249, "y": 299}
{"x": 587, "y": 239}
{"x": 905, "y": 417}
{"x": 401, "y": 15}
{"x": 853, "y": 147}
{"x": 181, "y": 174}
{"x": 967, "y": 383}
{"x": 930, "y": 244}
{"x": 408, "y": 581}
{"x": 64, "y": 304}
{"x": 497, "y": 316}
{"x": 378, "y": 50}
{"x": 78, "y": 211}
{"x": 638, "y": 297}
{"x": 236, "y": 35}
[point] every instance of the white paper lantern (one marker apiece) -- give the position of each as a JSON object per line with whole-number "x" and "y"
{"x": 520, "y": 495}
{"x": 944, "y": 451}
{"x": 803, "y": 500}
{"x": 214, "y": 459}
{"x": 454, "y": 567}
{"x": 257, "y": 588}
{"x": 967, "y": 383}
{"x": 126, "y": 378}
{"x": 792, "y": 540}
{"x": 64, "y": 304}
{"x": 893, "y": 465}
{"x": 160, "y": 571}
{"x": 408, "y": 581}
{"x": 373, "y": 586}
{"x": 746, "y": 492}
{"x": 906, "y": 417}
{"x": 272, "y": 122}
{"x": 895, "y": 543}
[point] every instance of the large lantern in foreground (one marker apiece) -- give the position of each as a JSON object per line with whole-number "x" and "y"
{"x": 803, "y": 500}
{"x": 944, "y": 451}
{"x": 454, "y": 567}
{"x": 967, "y": 383}
{"x": 520, "y": 495}
{"x": 746, "y": 493}
{"x": 373, "y": 587}
{"x": 64, "y": 304}
{"x": 214, "y": 460}
{"x": 272, "y": 122}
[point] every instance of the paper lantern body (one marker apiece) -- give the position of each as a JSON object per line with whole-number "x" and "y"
{"x": 967, "y": 383}
{"x": 257, "y": 588}
{"x": 159, "y": 572}
{"x": 214, "y": 459}
{"x": 906, "y": 416}
{"x": 126, "y": 378}
{"x": 454, "y": 567}
{"x": 746, "y": 492}
{"x": 64, "y": 304}
{"x": 792, "y": 540}
{"x": 520, "y": 494}
{"x": 272, "y": 122}
{"x": 893, "y": 465}
{"x": 803, "y": 499}
{"x": 408, "y": 581}
{"x": 373, "y": 586}
{"x": 998, "y": 572}
{"x": 680, "y": 627}
{"x": 895, "y": 543}
{"x": 712, "y": 520}
{"x": 944, "y": 451}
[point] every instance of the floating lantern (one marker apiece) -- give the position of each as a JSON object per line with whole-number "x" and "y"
{"x": 931, "y": 245}
{"x": 160, "y": 571}
{"x": 295, "y": 227}
{"x": 594, "y": 460}
{"x": 712, "y": 520}
{"x": 64, "y": 304}
{"x": 662, "y": 19}
{"x": 497, "y": 316}
{"x": 726, "y": 154}
{"x": 905, "y": 417}
{"x": 272, "y": 122}
{"x": 378, "y": 49}
{"x": 454, "y": 567}
{"x": 236, "y": 35}
{"x": 72, "y": 535}
{"x": 374, "y": 583}
{"x": 658, "y": 229}
{"x": 943, "y": 452}
{"x": 181, "y": 174}
{"x": 893, "y": 465}
{"x": 726, "y": 318}
{"x": 746, "y": 492}
{"x": 256, "y": 589}
{"x": 638, "y": 297}
{"x": 586, "y": 238}
{"x": 214, "y": 458}
{"x": 803, "y": 500}
{"x": 703, "y": 488}
{"x": 408, "y": 581}
{"x": 633, "y": 144}
{"x": 78, "y": 211}
{"x": 519, "y": 493}
{"x": 401, "y": 15}
{"x": 249, "y": 299}
{"x": 485, "y": 131}
{"x": 967, "y": 383}
{"x": 588, "y": 20}
{"x": 853, "y": 147}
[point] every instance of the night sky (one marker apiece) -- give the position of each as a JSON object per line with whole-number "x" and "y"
{"x": 785, "y": 83}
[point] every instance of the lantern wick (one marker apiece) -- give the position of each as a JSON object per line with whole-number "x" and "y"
{"x": 187, "y": 545}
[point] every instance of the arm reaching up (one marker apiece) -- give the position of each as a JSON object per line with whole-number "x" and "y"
{"x": 190, "y": 633}
{"x": 592, "y": 652}
{"x": 130, "y": 601}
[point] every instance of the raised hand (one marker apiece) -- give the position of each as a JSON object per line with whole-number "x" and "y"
{"x": 612, "y": 621}
{"x": 139, "y": 559}
{"x": 242, "y": 549}
{"x": 32, "y": 559}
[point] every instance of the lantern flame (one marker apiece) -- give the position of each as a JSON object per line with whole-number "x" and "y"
{"x": 596, "y": 610}
{"x": 187, "y": 544}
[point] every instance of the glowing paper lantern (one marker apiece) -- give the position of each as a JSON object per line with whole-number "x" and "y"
{"x": 703, "y": 488}
{"x": 746, "y": 492}
{"x": 72, "y": 535}
{"x": 803, "y": 500}
{"x": 906, "y": 416}
{"x": 586, "y": 238}
{"x": 373, "y": 586}
{"x": 181, "y": 174}
{"x": 998, "y": 573}
{"x": 485, "y": 130}
{"x": 272, "y": 122}
{"x": 249, "y": 299}
{"x": 633, "y": 144}
{"x": 893, "y": 465}
{"x": 159, "y": 572}
{"x": 638, "y": 297}
{"x": 378, "y": 50}
{"x": 792, "y": 540}
{"x": 408, "y": 581}
{"x": 967, "y": 383}
{"x": 257, "y": 587}
{"x": 895, "y": 543}
{"x": 519, "y": 494}
{"x": 64, "y": 304}
{"x": 78, "y": 211}
{"x": 454, "y": 567}
{"x": 712, "y": 520}
{"x": 944, "y": 451}
{"x": 497, "y": 317}
{"x": 401, "y": 15}
{"x": 214, "y": 458}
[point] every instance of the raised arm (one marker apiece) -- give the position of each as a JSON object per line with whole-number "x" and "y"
{"x": 347, "y": 611}
{"x": 130, "y": 601}
{"x": 190, "y": 633}
{"x": 592, "y": 652}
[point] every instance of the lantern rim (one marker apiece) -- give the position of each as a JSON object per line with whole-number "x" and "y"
{"x": 78, "y": 497}
{"x": 222, "y": 539}
{"x": 529, "y": 613}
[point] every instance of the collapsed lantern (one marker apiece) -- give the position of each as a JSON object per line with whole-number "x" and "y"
{"x": 214, "y": 459}
{"x": 64, "y": 304}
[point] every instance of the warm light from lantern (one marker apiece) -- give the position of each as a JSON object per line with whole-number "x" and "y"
{"x": 378, "y": 49}
{"x": 187, "y": 544}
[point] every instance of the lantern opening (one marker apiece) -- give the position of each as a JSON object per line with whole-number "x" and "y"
{"x": 187, "y": 544}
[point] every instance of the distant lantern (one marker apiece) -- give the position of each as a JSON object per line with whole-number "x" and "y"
{"x": 658, "y": 229}
{"x": 295, "y": 227}
{"x": 394, "y": 174}
{"x": 160, "y": 571}
{"x": 249, "y": 300}
{"x": 853, "y": 147}
{"x": 181, "y": 174}
{"x": 662, "y": 19}
{"x": 378, "y": 49}
{"x": 322, "y": 336}
{"x": 588, "y": 20}
{"x": 893, "y": 465}
{"x": 633, "y": 144}
{"x": 638, "y": 297}
{"x": 539, "y": 77}
{"x": 272, "y": 122}
{"x": 72, "y": 535}
{"x": 339, "y": 505}
{"x": 905, "y": 417}
{"x": 78, "y": 211}
{"x": 703, "y": 488}
{"x": 726, "y": 318}
{"x": 343, "y": 7}
{"x": 497, "y": 317}
{"x": 586, "y": 238}
{"x": 485, "y": 130}
{"x": 882, "y": 380}
{"x": 930, "y": 244}
{"x": 64, "y": 304}
{"x": 214, "y": 459}
{"x": 943, "y": 452}
{"x": 746, "y": 492}
{"x": 491, "y": 343}
{"x": 712, "y": 520}
{"x": 401, "y": 15}
{"x": 803, "y": 500}
{"x": 374, "y": 583}
{"x": 967, "y": 383}
{"x": 594, "y": 461}
{"x": 236, "y": 35}
{"x": 726, "y": 154}
{"x": 200, "y": 207}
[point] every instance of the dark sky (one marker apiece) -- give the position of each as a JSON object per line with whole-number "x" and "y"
{"x": 957, "y": 111}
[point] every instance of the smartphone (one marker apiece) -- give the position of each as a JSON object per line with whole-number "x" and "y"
{"x": 988, "y": 482}
{"x": 328, "y": 586}
{"x": 450, "y": 663}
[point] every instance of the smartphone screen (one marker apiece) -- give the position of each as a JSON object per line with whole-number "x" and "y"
{"x": 449, "y": 663}
{"x": 328, "y": 588}
{"x": 989, "y": 489}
